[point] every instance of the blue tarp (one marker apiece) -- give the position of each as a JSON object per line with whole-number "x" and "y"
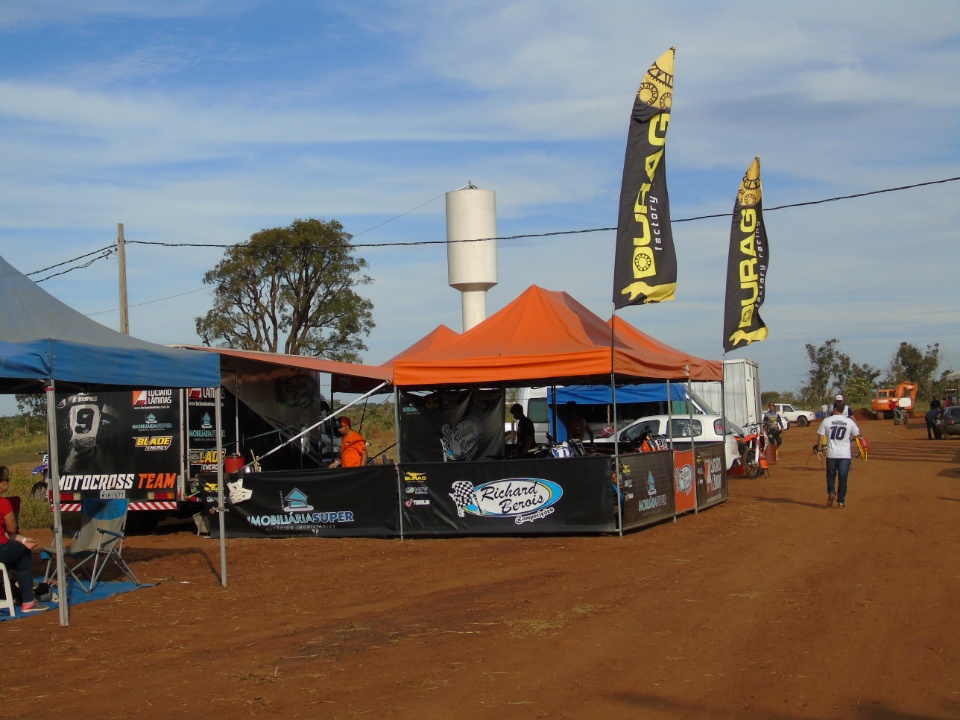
{"x": 603, "y": 394}
{"x": 76, "y": 595}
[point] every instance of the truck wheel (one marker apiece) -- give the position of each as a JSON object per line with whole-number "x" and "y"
{"x": 143, "y": 522}
{"x": 802, "y": 421}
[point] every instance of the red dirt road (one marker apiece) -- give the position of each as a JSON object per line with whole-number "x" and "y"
{"x": 769, "y": 606}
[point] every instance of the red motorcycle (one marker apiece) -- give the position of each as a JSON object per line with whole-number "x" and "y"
{"x": 752, "y": 447}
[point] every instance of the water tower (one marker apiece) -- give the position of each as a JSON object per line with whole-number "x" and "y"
{"x": 472, "y": 266}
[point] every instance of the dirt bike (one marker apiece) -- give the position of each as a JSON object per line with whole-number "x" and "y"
{"x": 40, "y": 489}
{"x": 899, "y": 415}
{"x": 752, "y": 446}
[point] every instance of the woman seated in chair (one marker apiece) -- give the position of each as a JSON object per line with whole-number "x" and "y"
{"x": 15, "y": 548}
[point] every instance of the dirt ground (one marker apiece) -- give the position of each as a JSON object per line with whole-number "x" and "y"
{"x": 769, "y": 606}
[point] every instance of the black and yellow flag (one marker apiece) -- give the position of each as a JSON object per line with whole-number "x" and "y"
{"x": 645, "y": 265}
{"x": 747, "y": 266}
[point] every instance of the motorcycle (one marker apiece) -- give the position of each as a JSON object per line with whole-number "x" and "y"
{"x": 752, "y": 447}
{"x": 41, "y": 489}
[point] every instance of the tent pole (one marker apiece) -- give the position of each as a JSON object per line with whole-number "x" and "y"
{"x": 693, "y": 442}
{"x": 723, "y": 406}
{"x": 53, "y": 464}
{"x": 220, "y": 508}
{"x": 616, "y": 427}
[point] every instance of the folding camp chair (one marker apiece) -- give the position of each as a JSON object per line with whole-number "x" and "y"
{"x": 98, "y": 543}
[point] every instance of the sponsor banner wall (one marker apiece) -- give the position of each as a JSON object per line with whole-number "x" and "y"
{"x": 684, "y": 481}
{"x": 711, "y": 475}
{"x": 535, "y": 497}
{"x": 508, "y": 497}
{"x": 647, "y": 488}
{"x": 469, "y": 422}
{"x": 335, "y": 503}
{"x": 120, "y": 443}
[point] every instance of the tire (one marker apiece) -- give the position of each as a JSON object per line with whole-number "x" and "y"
{"x": 802, "y": 421}
{"x": 39, "y": 490}
{"x": 751, "y": 466}
{"x": 143, "y": 522}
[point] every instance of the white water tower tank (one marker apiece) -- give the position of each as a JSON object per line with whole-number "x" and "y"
{"x": 472, "y": 266}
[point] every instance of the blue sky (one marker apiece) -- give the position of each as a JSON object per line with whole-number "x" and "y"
{"x": 201, "y": 121}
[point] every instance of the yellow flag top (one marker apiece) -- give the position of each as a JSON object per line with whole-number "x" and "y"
{"x": 656, "y": 89}
{"x": 750, "y": 192}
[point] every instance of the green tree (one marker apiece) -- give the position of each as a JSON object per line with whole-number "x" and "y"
{"x": 290, "y": 290}
{"x": 823, "y": 365}
{"x": 33, "y": 405}
{"x": 861, "y": 382}
{"x": 910, "y": 364}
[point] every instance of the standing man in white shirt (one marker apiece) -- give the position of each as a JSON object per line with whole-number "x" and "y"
{"x": 835, "y": 434}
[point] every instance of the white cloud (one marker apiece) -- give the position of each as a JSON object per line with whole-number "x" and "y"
{"x": 366, "y": 110}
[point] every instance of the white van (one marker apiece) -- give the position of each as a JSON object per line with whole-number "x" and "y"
{"x": 534, "y": 401}
{"x": 534, "y": 404}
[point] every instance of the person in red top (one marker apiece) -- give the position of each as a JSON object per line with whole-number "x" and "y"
{"x": 353, "y": 448}
{"x": 15, "y": 548}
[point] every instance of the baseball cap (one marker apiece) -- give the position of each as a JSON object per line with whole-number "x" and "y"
{"x": 344, "y": 422}
{"x": 839, "y": 397}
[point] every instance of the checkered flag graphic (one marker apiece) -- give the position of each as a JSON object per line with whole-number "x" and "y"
{"x": 463, "y": 495}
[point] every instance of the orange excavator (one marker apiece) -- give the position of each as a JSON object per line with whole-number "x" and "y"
{"x": 888, "y": 399}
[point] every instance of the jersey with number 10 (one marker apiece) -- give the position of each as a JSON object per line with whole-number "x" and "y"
{"x": 839, "y": 431}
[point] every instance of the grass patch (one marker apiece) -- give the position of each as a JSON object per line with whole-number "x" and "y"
{"x": 520, "y": 629}
{"x": 22, "y": 454}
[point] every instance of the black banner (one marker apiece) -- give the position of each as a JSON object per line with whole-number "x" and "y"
{"x": 122, "y": 443}
{"x": 645, "y": 264}
{"x": 467, "y": 424}
{"x": 711, "y": 476}
{"x": 351, "y": 502}
{"x": 514, "y": 497}
{"x": 747, "y": 264}
{"x": 647, "y": 488}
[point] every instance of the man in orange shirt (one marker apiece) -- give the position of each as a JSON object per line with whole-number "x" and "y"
{"x": 353, "y": 448}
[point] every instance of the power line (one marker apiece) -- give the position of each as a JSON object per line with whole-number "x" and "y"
{"x": 103, "y": 252}
{"x": 415, "y": 243}
{"x": 149, "y": 302}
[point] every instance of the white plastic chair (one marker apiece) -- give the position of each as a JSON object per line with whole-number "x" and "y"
{"x": 7, "y": 600}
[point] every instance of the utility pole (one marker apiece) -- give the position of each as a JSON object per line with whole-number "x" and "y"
{"x": 122, "y": 262}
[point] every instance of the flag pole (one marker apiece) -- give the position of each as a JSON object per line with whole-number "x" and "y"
{"x": 616, "y": 434}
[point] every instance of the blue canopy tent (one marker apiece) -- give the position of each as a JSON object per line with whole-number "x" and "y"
{"x": 557, "y": 397}
{"x": 44, "y": 343}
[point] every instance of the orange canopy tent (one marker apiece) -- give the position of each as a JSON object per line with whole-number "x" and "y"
{"x": 434, "y": 339}
{"x": 546, "y": 336}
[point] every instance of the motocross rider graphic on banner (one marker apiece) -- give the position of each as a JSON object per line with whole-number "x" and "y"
{"x": 747, "y": 266}
{"x": 118, "y": 441}
{"x": 645, "y": 264}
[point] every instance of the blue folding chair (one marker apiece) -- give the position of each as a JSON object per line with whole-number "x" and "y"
{"x": 98, "y": 543}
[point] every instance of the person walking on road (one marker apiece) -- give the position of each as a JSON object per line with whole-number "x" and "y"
{"x": 932, "y": 417}
{"x": 836, "y": 433}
